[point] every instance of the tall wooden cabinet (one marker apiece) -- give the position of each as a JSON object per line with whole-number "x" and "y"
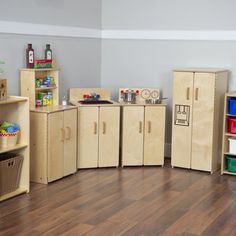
{"x": 143, "y": 135}
{"x": 198, "y": 96}
{"x": 53, "y": 143}
{"x": 98, "y": 136}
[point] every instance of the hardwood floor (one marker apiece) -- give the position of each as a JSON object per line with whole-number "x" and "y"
{"x": 130, "y": 201}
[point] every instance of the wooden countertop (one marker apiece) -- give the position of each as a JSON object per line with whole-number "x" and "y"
{"x": 75, "y": 103}
{"x": 51, "y": 109}
{"x": 114, "y": 103}
{"x": 141, "y": 104}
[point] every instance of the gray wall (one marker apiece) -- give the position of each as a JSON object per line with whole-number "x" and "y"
{"x": 149, "y": 63}
{"x": 82, "y": 13}
{"x": 79, "y": 59}
{"x": 169, "y": 14}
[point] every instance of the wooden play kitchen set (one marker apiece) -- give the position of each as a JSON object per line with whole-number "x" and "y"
{"x": 95, "y": 131}
{"x": 143, "y": 127}
{"x": 197, "y": 118}
{"x": 53, "y": 136}
{"x": 98, "y": 128}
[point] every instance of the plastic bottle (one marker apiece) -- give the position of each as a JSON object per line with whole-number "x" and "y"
{"x": 30, "y": 56}
{"x": 64, "y": 101}
{"x": 48, "y": 52}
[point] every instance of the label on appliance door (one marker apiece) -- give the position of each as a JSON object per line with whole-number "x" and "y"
{"x": 182, "y": 115}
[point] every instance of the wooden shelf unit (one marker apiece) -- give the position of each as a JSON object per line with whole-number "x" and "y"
{"x": 16, "y": 110}
{"x": 28, "y": 87}
{"x": 225, "y": 142}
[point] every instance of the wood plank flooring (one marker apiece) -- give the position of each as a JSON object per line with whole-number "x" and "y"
{"x": 130, "y": 201}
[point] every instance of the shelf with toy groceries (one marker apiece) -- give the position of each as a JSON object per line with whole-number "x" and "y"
{"x": 14, "y": 138}
{"x": 34, "y": 82}
{"x": 228, "y": 162}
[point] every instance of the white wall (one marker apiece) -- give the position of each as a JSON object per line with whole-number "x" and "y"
{"x": 149, "y": 63}
{"x": 169, "y": 14}
{"x": 81, "y": 13}
{"x": 79, "y": 59}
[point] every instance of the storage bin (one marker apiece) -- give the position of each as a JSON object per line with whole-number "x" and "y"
{"x": 232, "y": 106}
{"x": 232, "y": 145}
{"x": 231, "y": 163}
{"x": 9, "y": 139}
{"x": 10, "y": 171}
{"x": 232, "y": 125}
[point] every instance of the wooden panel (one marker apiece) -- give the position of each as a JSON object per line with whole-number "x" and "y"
{"x": 70, "y": 144}
{"x": 132, "y": 131}
{"x": 27, "y": 79}
{"x": 203, "y": 121}
{"x": 221, "y": 86}
{"x": 154, "y": 139}
{"x": 182, "y": 119}
{"x": 38, "y": 147}
{"x": 76, "y": 94}
{"x": 87, "y": 137}
{"x": 56, "y": 137}
{"x": 109, "y": 129}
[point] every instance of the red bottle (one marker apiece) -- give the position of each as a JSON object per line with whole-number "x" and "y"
{"x": 30, "y": 56}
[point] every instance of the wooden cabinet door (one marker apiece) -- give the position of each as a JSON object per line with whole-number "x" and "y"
{"x": 132, "y": 135}
{"x": 70, "y": 143}
{"x": 55, "y": 146}
{"x": 87, "y": 137}
{"x": 182, "y": 119}
{"x": 109, "y": 130}
{"x": 203, "y": 121}
{"x": 154, "y": 139}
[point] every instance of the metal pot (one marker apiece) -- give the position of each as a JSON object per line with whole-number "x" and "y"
{"x": 155, "y": 100}
{"x": 129, "y": 96}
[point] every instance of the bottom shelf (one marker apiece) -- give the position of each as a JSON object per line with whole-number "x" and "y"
{"x": 13, "y": 194}
{"x": 228, "y": 172}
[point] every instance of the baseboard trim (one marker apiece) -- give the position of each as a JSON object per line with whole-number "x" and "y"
{"x": 169, "y": 35}
{"x": 22, "y": 28}
{"x": 11, "y": 27}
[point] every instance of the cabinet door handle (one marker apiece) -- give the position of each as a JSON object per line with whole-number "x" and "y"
{"x": 62, "y": 135}
{"x": 140, "y": 127}
{"x": 95, "y": 127}
{"x": 69, "y": 133}
{"x": 196, "y": 94}
{"x": 149, "y": 127}
{"x": 103, "y": 127}
{"x": 188, "y": 93}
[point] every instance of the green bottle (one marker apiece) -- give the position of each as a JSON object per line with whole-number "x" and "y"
{"x": 48, "y": 52}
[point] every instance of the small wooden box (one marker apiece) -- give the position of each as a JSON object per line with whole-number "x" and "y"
{"x": 3, "y": 89}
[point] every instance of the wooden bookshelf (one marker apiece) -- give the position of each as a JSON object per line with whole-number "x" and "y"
{"x": 16, "y": 110}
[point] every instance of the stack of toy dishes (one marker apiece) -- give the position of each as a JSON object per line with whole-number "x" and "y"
{"x": 9, "y": 134}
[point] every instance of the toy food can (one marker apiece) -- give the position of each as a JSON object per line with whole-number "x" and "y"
{"x": 38, "y": 83}
{"x": 44, "y": 98}
{"x": 38, "y": 103}
{"x": 50, "y": 98}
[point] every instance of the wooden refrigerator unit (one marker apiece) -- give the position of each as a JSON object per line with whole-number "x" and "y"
{"x": 198, "y": 96}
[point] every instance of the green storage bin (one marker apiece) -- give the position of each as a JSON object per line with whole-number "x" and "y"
{"x": 231, "y": 163}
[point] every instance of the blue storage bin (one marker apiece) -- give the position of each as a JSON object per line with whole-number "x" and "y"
{"x": 232, "y": 106}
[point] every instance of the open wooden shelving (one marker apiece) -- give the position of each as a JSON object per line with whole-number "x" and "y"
{"x": 28, "y": 85}
{"x": 225, "y": 142}
{"x": 16, "y": 110}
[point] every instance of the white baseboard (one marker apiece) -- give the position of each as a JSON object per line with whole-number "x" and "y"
{"x": 12, "y": 27}
{"x": 167, "y": 149}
